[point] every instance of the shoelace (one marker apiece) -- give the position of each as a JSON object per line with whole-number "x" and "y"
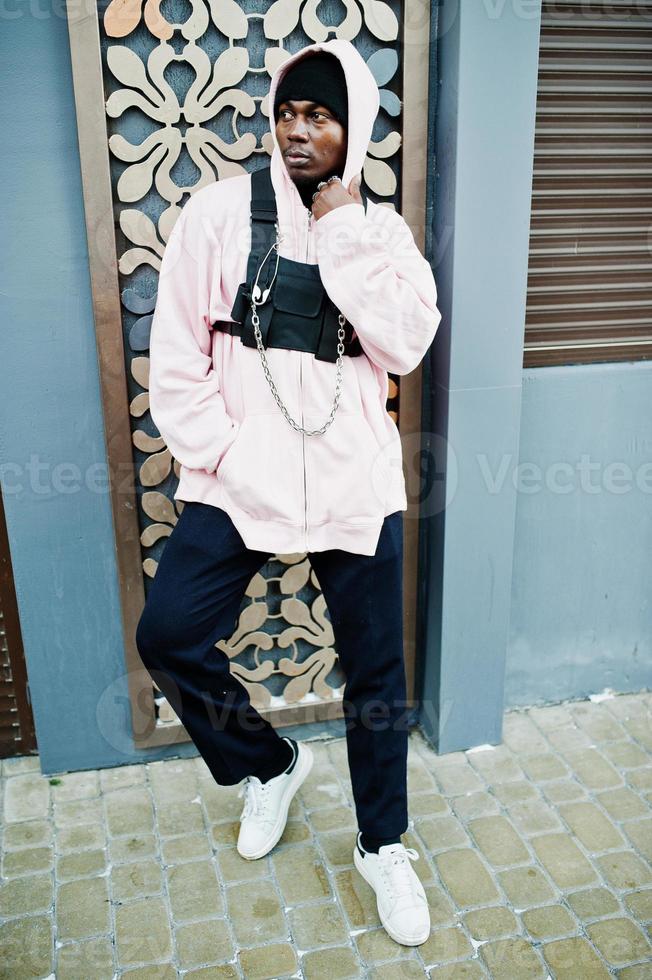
{"x": 255, "y": 796}
{"x": 397, "y": 872}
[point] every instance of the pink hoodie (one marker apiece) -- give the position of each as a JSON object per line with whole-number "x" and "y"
{"x": 287, "y": 492}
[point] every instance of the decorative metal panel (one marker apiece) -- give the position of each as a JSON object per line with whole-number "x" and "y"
{"x": 187, "y": 105}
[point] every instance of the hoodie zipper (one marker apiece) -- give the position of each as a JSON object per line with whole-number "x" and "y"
{"x": 303, "y": 437}
{"x": 308, "y": 233}
{"x": 303, "y": 452}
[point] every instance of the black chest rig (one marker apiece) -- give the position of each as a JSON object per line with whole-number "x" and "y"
{"x": 298, "y": 314}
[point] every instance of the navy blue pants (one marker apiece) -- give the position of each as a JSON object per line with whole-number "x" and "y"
{"x": 194, "y": 601}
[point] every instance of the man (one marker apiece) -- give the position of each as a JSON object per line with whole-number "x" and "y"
{"x": 236, "y": 413}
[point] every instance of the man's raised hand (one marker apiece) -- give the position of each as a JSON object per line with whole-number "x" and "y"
{"x": 335, "y": 195}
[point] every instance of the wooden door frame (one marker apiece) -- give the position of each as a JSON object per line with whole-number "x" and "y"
{"x": 24, "y": 740}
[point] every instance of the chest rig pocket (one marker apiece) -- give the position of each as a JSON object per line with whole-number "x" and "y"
{"x": 298, "y": 315}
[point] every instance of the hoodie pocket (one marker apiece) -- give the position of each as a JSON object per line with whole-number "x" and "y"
{"x": 348, "y": 473}
{"x": 261, "y": 473}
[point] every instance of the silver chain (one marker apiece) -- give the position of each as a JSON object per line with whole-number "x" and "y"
{"x": 338, "y": 381}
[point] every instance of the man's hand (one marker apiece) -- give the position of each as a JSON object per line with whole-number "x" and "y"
{"x": 335, "y": 195}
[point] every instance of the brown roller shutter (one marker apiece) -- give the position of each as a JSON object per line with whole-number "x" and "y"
{"x": 589, "y": 292}
{"x": 16, "y": 723}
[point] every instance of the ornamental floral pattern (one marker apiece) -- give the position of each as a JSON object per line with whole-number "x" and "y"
{"x": 186, "y": 104}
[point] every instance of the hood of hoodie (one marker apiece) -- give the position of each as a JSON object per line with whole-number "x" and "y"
{"x": 362, "y": 110}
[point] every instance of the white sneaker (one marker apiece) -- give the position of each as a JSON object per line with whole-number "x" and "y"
{"x": 266, "y": 806}
{"x": 400, "y": 896}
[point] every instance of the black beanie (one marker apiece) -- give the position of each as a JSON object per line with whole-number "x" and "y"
{"x": 317, "y": 77}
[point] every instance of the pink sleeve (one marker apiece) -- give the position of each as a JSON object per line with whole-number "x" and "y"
{"x": 377, "y": 277}
{"x": 186, "y": 402}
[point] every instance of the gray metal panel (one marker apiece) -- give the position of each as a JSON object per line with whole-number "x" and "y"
{"x": 484, "y": 135}
{"x": 590, "y": 274}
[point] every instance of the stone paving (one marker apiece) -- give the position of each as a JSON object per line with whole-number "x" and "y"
{"x": 535, "y": 855}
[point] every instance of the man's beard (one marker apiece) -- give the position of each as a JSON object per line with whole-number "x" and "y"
{"x": 306, "y": 187}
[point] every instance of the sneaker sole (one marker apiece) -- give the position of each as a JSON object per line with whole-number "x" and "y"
{"x": 300, "y": 771}
{"x": 359, "y": 863}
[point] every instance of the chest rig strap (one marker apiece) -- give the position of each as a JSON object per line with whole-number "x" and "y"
{"x": 299, "y": 314}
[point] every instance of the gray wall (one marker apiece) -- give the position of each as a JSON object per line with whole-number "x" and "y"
{"x": 58, "y": 516}
{"x": 581, "y": 617}
{"x": 528, "y": 592}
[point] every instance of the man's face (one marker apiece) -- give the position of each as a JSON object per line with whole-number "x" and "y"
{"x": 313, "y": 143}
